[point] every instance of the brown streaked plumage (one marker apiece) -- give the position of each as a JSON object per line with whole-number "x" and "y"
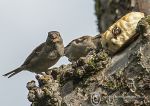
{"x": 44, "y": 56}
{"x": 80, "y": 47}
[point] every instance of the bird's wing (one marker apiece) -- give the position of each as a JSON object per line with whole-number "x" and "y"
{"x": 34, "y": 53}
{"x": 78, "y": 40}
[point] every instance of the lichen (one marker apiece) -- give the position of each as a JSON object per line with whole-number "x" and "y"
{"x": 46, "y": 94}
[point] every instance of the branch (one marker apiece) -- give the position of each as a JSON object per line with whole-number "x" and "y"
{"x": 98, "y": 78}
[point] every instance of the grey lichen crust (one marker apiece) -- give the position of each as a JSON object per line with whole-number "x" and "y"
{"x": 98, "y": 78}
{"x": 54, "y": 83}
{"x": 46, "y": 94}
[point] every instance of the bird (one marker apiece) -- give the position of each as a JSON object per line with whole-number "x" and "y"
{"x": 43, "y": 56}
{"x": 81, "y": 46}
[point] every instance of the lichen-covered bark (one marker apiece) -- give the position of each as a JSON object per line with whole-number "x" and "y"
{"x": 98, "y": 78}
{"x": 108, "y": 11}
{"x": 46, "y": 93}
{"x": 144, "y": 6}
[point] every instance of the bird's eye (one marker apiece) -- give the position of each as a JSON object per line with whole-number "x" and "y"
{"x": 116, "y": 31}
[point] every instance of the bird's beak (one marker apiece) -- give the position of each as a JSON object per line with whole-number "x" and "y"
{"x": 56, "y": 40}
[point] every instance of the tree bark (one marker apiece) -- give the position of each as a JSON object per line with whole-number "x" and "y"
{"x": 98, "y": 78}
{"x": 108, "y": 11}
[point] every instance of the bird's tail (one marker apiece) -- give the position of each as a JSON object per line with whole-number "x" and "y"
{"x": 12, "y": 73}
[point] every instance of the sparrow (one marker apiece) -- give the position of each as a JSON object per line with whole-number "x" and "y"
{"x": 42, "y": 57}
{"x": 80, "y": 47}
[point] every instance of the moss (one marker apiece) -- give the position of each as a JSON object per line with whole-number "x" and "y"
{"x": 147, "y": 19}
{"x": 110, "y": 84}
{"x": 116, "y": 80}
{"x": 143, "y": 25}
{"x": 92, "y": 63}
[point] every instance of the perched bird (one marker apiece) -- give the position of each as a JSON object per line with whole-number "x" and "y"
{"x": 44, "y": 56}
{"x": 80, "y": 47}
